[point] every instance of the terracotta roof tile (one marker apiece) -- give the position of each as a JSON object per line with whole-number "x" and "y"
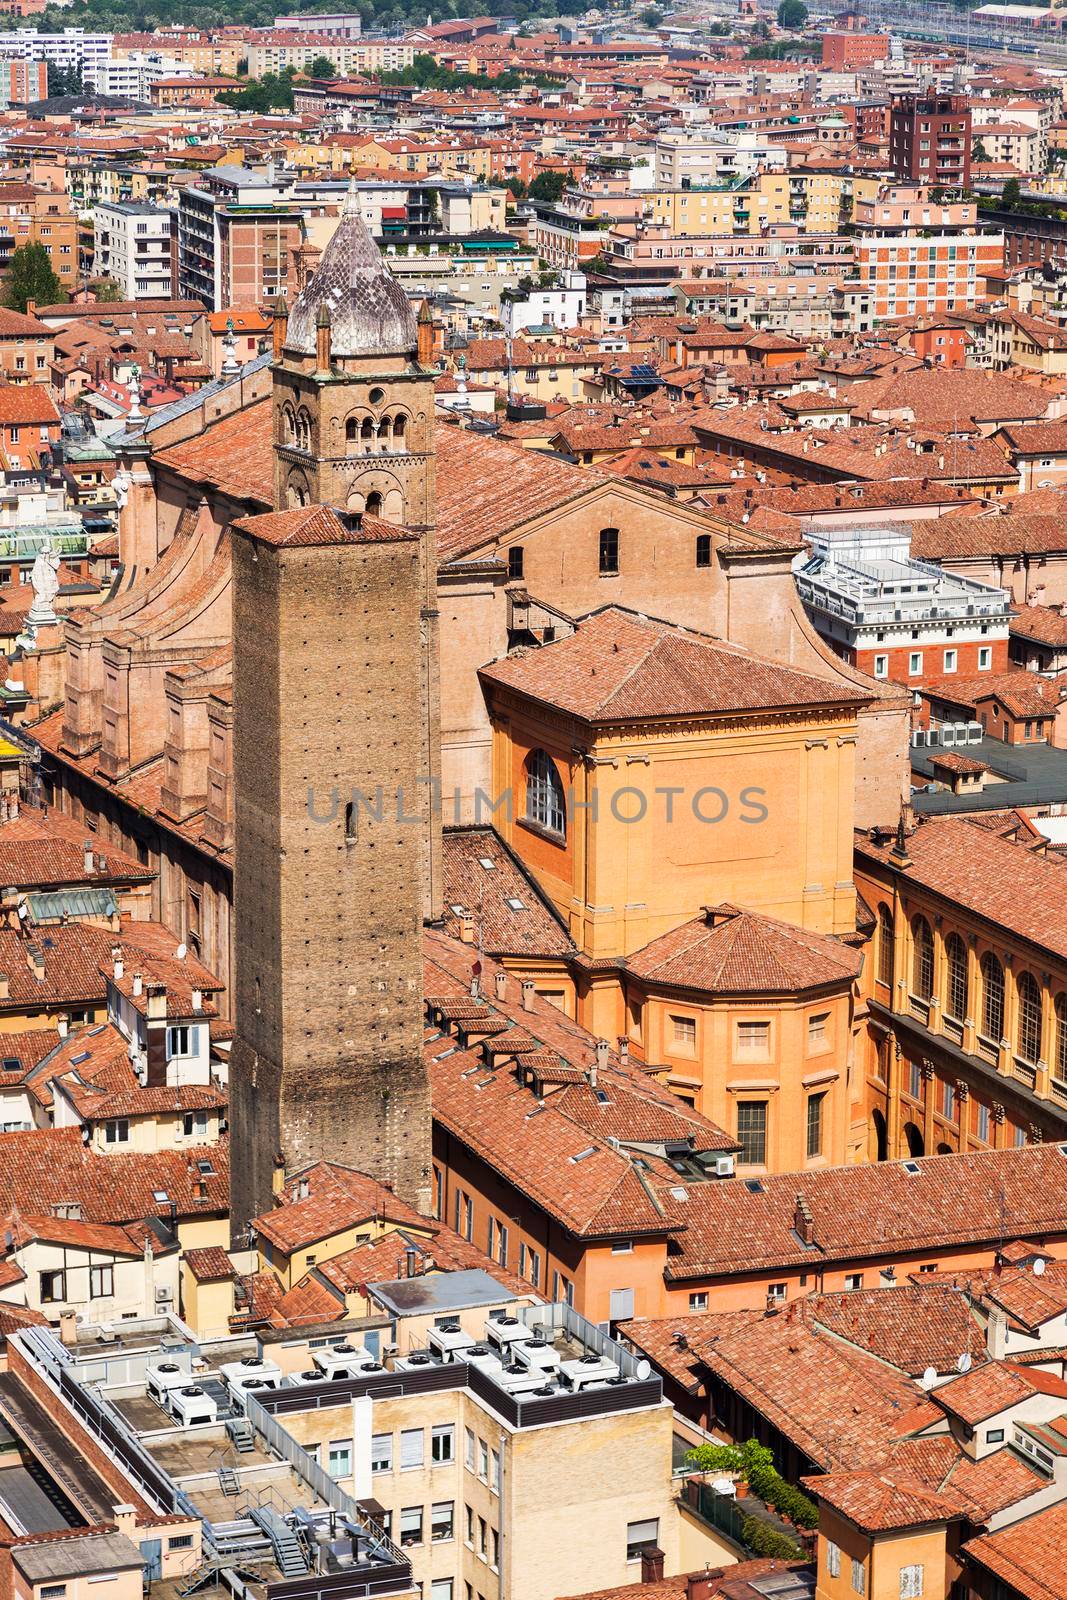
{"x": 879, "y": 1504}
{"x": 742, "y": 952}
{"x": 619, "y": 666}
{"x": 1027, "y": 1557}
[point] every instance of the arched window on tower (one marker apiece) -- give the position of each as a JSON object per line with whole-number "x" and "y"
{"x": 288, "y": 424}
{"x": 303, "y": 430}
{"x": 373, "y": 507}
{"x": 366, "y": 434}
{"x": 545, "y": 805}
{"x": 400, "y": 429}
{"x": 885, "y": 946}
{"x": 351, "y": 434}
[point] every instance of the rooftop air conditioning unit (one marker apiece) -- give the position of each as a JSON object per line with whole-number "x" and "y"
{"x": 948, "y": 734}
{"x": 975, "y": 733}
{"x": 918, "y": 738}
{"x": 724, "y": 1166}
{"x": 933, "y": 736}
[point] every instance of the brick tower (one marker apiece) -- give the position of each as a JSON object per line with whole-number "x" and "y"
{"x": 334, "y": 628}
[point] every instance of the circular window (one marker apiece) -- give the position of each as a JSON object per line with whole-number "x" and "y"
{"x": 376, "y": 396}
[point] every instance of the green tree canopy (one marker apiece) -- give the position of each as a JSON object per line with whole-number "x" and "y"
{"x": 1010, "y": 193}
{"x": 979, "y": 151}
{"x": 792, "y": 14}
{"x": 322, "y": 67}
{"x": 550, "y": 185}
{"x": 651, "y": 16}
{"x": 272, "y": 92}
{"x": 106, "y": 290}
{"x": 30, "y": 277}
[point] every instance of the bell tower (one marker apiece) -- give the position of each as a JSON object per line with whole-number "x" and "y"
{"x": 353, "y": 407}
{"x": 336, "y": 748}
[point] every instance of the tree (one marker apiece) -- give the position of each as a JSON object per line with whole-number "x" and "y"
{"x": 651, "y": 16}
{"x": 792, "y": 14}
{"x": 30, "y": 277}
{"x": 550, "y": 185}
{"x": 1009, "y": 195}
{"x": 979, "y": 151}
{"x": 322, "y": 67}
{"x": 64, "y": 81}
{"x": 106, "y": 290}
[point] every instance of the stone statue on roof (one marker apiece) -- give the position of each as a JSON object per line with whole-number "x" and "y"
{"x": 45, "y": 581}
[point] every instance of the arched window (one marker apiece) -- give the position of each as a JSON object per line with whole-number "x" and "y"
{"x": 366, "y": 433}
{"x": 288, "y": 424}
{"x": 303, "y": 430}
{"x": 1059, "y": 1054}
{"x": 352, "y": 431}
{"x": 373, "y": 507}
{"x": 885, "y": 946}
{"x": 544, "y": 794}
{"x": 992, "y": 998}
{"x": 1028, "y": 1032}
{"x": 400, "y": 428}
{"x": 956, "y": 992}
{"x": 922, "y": 959}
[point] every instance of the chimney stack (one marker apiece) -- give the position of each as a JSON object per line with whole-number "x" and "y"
{"x": 117, "y": 964}
{"x": 803, "y": 1221}
{"x": 623, "y": 1045}
{"x": 652, "y": 1565}
{"x": 87, "y": 849}
{"x": 466, "y": 929}
{"x": 280, "y": 327}
{"x": 501, "y": 981}
{"x": 527, "y": 994}
{"x": 138, "y": 983}
{"x": 697, "y": 1586}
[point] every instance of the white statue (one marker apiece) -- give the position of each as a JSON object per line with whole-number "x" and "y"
{"x": 45, "y": 581}
{"x": 122, "y": 482}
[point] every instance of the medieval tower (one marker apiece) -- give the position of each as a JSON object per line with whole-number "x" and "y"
{"x": 335, "y": 745}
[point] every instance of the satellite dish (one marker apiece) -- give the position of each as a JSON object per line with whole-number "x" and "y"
{"x": 644, "y": 1369}
{"x": 1039, "y": 1267}
{"x": 929, "y": 1377}
{"x": 181, "y": 952}
{"x": 964, "y": 1362}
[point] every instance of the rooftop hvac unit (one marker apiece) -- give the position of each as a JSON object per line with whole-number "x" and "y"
{"x": 948, "y": 734}
{"x": 975, "y": 733}
{"x": 933, "y": 736}
{"x": 724, "y": 1166}
{"x": 918, "y": 739}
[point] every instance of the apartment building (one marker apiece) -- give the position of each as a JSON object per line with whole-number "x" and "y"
{"x": 272, "y": 52}
{"x": 22, "y": 81}
{"x": 688, "y": 161}
{"x": 29, "y": 215}
{"x": 236, "y": 239}
{"x": 916, "y": 254}
{"x": 897, "y": 618}
{"x": 427, "y": 1447}
{"x": 133, "y": 248}
{"x": 930, "y": 139}
{"x": 73, "y": 48}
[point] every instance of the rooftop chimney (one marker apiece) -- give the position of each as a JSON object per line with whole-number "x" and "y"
{"x": 602, "y": 1048}
{"x": 280, "y": 326}
{"x": 501, "y": 981}
{"x": 527, "y": 994}
{"x": 652, "y": 1565}
{"x": 138, "y": 983}
{"x": 803, "y": 1221}
{"x": 323, "y": 339}
{"x": 62, "y": 1026}
{"x": 623, "y": 1046}
{"x": 5, "y": 987}
{"x": 466, "y": 928}
{"x": 87, "y": 848}
{"x": 116, "y": 961}
{"x": 697, "y": 1586}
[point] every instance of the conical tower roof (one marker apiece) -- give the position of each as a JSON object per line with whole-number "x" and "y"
{"x": 369, "y": 311}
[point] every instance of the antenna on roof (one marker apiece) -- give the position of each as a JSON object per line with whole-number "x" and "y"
{"x": 929, "y": 1377}
{"x": 963, "y": 1362}
{"x": 1039, "y": 1267}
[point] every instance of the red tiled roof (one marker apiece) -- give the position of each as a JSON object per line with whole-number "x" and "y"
{"x": 209, "y": 1264}
{"x": 338, "y": 1198}
{"x": 26, "y": 403}
{"x": 1028, "y": 1556}
{"x": 878, "y": 1504}
{"x": 620, "y": 667}
{"x": 318, "y": 525}
{"x": 743, "y": 952}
